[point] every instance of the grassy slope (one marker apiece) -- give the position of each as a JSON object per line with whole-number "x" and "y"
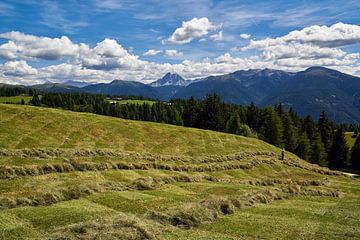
{"x": 15, "y": 99}
{"x": 50, "y": 202}
{"x": 41, "y": 127}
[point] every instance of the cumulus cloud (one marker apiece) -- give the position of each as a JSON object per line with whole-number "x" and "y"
{"x": 245, "y": 36}
{"x": 173, "y": 53}
{"x": 17, "y": 69}
{"x": 189, "y": 30}
{"x": 337, "y": 35}
{"x": 152, "y": 52}
{"x": 218, "y": 36}
{"x": 26, "y": 46}
{"x": 314, "y": 45}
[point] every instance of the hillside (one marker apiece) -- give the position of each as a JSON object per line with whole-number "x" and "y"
{"x": 68, "y": 175}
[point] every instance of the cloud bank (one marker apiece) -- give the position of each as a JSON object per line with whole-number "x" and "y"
{"x": 108, "y": 60}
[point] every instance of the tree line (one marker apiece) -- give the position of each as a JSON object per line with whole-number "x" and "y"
{"x": 318, "y": 141}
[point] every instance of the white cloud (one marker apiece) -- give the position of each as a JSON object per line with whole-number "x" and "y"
{"x": 17, "y": 69}
{"x": 152, "y": 52}
{"x": 189, "y": 30}
{"x": 173, "y": 53}
{"x": 29, "y": 46}
{"x": 218, "y": 36}
{"x": 337, "y": 35}
{"x": 245, "y": 36}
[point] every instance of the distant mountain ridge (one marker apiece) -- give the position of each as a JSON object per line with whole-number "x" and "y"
{"x": 307, "y": 92}
{"x": 170, "y": 79}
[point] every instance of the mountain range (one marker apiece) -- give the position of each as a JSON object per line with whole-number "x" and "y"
{"x": 307, "y": 92}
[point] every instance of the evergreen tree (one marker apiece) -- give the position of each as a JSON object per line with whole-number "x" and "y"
{"x": 355, "y": 155}
{"x": 22, "y": 102}
{"x": 339, "y": 151}
{"x": 191, "y": 111}
{"x": 318, "y": 153}
{"x": 233, "y": 124}
{"x": 253, "y": 116}
{"x": 290, "y": 133}
{"x": 35, "y": 100}
{"x": 177, "y": 120}
{"x": 309, "y": 127}
{"x": 211, "y": 113}
{"x": 325, "y": 130}
{"x": 303, "y": 149}
{"x": 272, "y": 127}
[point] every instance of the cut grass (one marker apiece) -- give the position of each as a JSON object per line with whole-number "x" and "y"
{"x": 134, "y": 180}
{"x": 27, "y": 126}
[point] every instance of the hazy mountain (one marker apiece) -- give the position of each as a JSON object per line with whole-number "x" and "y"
{"x": 170, "y": 79}
{"x": 77, "y": 83}
{"x": 119, "y": 87}
{"x": 55, "y": 87}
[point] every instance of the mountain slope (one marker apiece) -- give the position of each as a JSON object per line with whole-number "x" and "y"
{"x": 118, "y": 87}
{"x": 317, "y": 89}
{"x": 77, "y": 83}
{"x": 240, "y": 87}
{"x": 55, "y": 87}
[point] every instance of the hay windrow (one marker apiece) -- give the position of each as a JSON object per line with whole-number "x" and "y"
{"x": 122, "y": 226}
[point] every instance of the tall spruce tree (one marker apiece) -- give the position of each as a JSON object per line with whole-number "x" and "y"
{"x": 290, "y": 133}
{"x": 272, "y": 128}
{"x": 339, "y": 151}
{"x": 325, "y": 130}
{"x": 303, "y": 149}
{"x": 35, "y": 100}
{"x": 318, "y": 152}
{"x": 355, "y": 155}
{"x": 233, "y": 124}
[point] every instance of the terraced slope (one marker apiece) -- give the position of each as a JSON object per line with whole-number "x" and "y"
{"x": 65, "y": 175}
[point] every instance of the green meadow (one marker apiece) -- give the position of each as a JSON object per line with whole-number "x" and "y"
{"x": 68, "y": 175}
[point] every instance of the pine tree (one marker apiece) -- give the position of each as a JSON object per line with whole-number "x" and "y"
{"x": 303, "y": 149}
{"x": 318, "y": 153}
{"x": 272, "y": 127}
{"x": 339, "y": 151}
{"x": 325, "y": 130}
{"x": 355, "y": 155}
{"x": 253, "y": 117}
{"x": 35, "y": 100}
{"x": 309, "y": 127}
{"x": 290, "y": 133}
{"x": 233, "y": 124}
{"x": 211, "y": 115}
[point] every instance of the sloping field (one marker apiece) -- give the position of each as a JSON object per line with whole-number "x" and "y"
{"x": 67, "y": 175}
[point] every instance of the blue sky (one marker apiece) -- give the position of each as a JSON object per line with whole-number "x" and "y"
{"x": 195, "y": 38}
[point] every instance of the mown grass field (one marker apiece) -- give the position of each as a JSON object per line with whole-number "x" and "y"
{"x": 67, "y": 175}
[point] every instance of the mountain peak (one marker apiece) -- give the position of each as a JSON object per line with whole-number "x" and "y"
{"x": 170, "y": 79}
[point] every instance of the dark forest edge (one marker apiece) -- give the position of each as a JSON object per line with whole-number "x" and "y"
{"x": 321, "y": 142}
